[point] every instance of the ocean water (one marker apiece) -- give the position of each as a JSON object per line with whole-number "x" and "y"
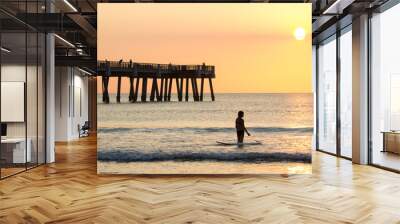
{"x": 180, "y": 137}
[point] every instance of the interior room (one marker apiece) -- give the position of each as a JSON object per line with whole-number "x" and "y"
{"x": 49, "y": 75}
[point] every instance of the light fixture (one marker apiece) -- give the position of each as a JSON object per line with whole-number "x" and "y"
{"x": 70, "y": 5}
{"x": 64, "y": 40}
{"x": 86, "y": 72}
{"x": 5, "y": 50}
{"x": 79, "y": 51}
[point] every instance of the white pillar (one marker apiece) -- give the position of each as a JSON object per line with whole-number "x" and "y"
{"x": 50, "y": 98}
{"x": 314, "y": 89}
{"x": 360, "y": 90}
{"x": 63, "y": 102}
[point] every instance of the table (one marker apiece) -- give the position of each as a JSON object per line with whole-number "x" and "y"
{"x": 391, "y": 141}
{"x": 15, "y": 148}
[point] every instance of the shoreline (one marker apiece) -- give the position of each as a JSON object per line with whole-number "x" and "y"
{"x": 202, "y": 168}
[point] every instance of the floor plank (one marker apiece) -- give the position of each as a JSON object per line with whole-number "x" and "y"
{"x": 70, "y": 191}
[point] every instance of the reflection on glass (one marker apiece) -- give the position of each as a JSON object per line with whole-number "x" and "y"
{"x": 346, "y": 94}
{"x": 386, "y": 89}
{"x": 327, "y": 96}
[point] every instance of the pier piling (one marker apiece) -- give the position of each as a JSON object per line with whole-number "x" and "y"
{"x": 181, "y": 92}
{"x": 166, "y": 90}
{"x": 161, "y": 90}
{"x": 131, "y": 81}
{"x": 193, "y": 89}
{"x": 135, "y": 93}
{"x": 169, "y": 89}
{"x": 119, "y": 90}
{"x": 201, "y": 89}
{"x": 187, "y": 90}
{"x": 106, "y": 97}
{"x": 178, "y": 89}
{"x": 211, "y": 89}
{"x": 144, "y": 90}
{"x": 153, "y": 89}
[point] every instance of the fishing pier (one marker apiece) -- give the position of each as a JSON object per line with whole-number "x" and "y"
{"x": 161, "y": 77}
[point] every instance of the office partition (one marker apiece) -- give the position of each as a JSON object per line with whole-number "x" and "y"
{"x": 22, "y": 78}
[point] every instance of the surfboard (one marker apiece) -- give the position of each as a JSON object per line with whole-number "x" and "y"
{"x": 242, "y": 144}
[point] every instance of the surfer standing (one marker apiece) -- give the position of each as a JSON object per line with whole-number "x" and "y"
{"x": 240, "y": 128}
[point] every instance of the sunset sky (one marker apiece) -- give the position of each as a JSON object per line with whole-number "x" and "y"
{"x": 253, "y": 46}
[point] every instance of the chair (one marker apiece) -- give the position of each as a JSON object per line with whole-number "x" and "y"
{"x": 84, "y": 130}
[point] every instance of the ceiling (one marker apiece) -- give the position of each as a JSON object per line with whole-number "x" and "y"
{"x": 76, "y": 20}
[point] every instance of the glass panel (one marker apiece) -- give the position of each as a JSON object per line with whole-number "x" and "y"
{"x": 327, "y": 96}
{"x": 346, "y": 94}
{"x": 386, "y": 89}
{"x": 23, "y": 90}
{"x": 13, "y": 87}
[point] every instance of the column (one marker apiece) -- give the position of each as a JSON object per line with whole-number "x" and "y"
{"x": 50, "y": 97}
{"x": 144, "y": 90}
{"x": 360, "y": 90}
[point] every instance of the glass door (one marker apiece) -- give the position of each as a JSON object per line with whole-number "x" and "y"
{"x": 327, "y": 95}
{"x": 346, "y": 92}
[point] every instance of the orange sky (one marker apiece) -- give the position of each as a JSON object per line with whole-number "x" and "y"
{"x": 252, "y": 45}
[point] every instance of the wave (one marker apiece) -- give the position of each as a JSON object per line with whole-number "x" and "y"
{"x": 136, "y": 156}
{"x": 206, "y": 130}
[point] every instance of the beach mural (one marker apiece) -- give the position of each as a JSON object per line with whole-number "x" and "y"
{"x": 187, "y": 88}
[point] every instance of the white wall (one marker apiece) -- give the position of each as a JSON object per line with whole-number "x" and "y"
{"x": 13, "y": 72}
{"x": 9, "y": 73}
{"x": 33, "y": 127}
{"x": 62, "y": 82}
{"x": 17, "y": 73}
{"x": 13, "y": 101}
{"x": 71, "y": 102}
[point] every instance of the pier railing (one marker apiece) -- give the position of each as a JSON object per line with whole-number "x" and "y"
{"x": 114, "y": 68}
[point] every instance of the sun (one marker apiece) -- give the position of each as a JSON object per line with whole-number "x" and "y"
{"x": 299, "y": 33}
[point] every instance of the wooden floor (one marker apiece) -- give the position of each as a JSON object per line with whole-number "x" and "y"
{"x": 386, "y": 159}
{"x": 70, "y": 191}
